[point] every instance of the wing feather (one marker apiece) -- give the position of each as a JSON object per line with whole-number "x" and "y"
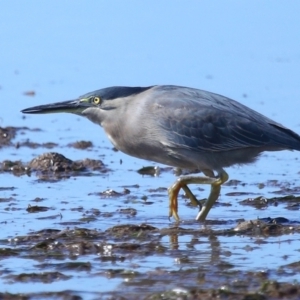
{"x": 204, "y": 121}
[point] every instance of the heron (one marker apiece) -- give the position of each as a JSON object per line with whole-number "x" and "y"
{"x": 182, "y": 127}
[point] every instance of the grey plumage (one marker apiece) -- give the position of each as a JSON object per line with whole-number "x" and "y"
{"x": 180, "y": 127}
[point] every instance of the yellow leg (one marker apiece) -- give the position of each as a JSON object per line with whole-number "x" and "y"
{"x": 183, "y": 181}
{"x": 213, "y": 196}
{"x": 191, "y": 196}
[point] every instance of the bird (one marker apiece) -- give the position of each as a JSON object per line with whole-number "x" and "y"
{"x": 182, "y": 127}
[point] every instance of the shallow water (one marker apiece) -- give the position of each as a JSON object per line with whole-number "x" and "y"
{"x": 60, "y": 236}
{"x": 127, "y": 261}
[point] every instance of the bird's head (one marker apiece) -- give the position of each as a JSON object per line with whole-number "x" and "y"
{"x": 96, "y": 105}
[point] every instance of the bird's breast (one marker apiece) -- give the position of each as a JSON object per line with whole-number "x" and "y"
{"x": 112, "y": 140}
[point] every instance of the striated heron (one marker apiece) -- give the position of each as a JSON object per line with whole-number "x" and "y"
{"x": 181, "y": 127}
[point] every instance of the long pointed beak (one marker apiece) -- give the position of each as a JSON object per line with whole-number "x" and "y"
{"x": 71, "y": 106}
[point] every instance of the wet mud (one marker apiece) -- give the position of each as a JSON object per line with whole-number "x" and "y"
{"x": 148, "y": 261}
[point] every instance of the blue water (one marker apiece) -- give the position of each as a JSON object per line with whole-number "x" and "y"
{"x": 249, "y": 51}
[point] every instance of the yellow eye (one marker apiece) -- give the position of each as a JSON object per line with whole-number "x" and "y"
{"x": 96, "y": 100}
